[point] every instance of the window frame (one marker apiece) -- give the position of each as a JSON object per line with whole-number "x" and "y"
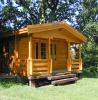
{"x": 43, "y": 52}
{"x": 36, "y": 50}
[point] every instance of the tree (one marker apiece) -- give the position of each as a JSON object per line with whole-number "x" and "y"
{"x": 87, "y": 24}
{"x": 19, "y": 13}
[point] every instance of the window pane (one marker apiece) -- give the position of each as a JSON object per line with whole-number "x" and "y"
{"x": 36, "y": 50}
{"x": 43, "y": 50}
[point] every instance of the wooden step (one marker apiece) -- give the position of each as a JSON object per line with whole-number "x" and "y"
{"x": 61, "y": 76}
{"x": 63, "y": 81}
{"x": 41, "y": 76}
{"x": 65, "y": 73}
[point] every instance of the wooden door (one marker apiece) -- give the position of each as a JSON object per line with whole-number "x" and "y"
{"x": 59, "y": 54}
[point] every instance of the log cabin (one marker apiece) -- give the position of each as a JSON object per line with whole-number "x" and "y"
{"x": 44, "y": 50}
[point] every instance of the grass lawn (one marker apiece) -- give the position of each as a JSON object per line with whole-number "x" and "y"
{"x": 84, "y": 89}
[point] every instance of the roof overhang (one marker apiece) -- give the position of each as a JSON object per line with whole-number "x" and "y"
{"x": 65, "y": 28}
{"x": 61, "y": 28}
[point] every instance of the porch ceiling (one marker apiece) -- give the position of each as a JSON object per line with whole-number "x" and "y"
{"x": 60, "y": 34}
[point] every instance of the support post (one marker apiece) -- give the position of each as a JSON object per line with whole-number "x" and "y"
{"x": 29, "y": 61}
{"x": 80, "y": 59}
{"x": 69, "y": 58}
{"x": 49, "y": 56}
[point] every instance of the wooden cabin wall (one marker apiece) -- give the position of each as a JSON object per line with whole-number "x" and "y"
{"x": 22, "y": 47}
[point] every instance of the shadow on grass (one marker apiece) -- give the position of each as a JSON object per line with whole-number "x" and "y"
{"x": 7, "y": 83}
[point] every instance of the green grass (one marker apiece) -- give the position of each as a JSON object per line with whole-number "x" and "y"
{"x": 84, "y": 89}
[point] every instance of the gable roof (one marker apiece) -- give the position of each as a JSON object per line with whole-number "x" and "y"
{"x": 53, "y": 26}
{"x": 63, "y": 29}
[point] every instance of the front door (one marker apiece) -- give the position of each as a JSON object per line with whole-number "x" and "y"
{"x": 59, "y": 54}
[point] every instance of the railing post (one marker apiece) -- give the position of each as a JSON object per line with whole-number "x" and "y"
{"x": 51, "y": 66}
{"x": 69, "y": 58}
{"x": 80, "y": 59}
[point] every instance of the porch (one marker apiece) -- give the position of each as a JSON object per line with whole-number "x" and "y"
{"x": 34, "y": 67}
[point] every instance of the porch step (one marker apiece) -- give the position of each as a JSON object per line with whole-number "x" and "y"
{"x": 62, "y": 73}
{"x": 63, "y": 81}
{"x": 57, "y": 77}
{"x": 62, "y": 78}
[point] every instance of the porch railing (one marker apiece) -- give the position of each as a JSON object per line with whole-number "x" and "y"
{"x": 76, "y": 65}
{"x": 39, "y": 66}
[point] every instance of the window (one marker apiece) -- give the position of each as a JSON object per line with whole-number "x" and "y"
{"x": 54, "y": 51}
{"x": 36, "y": 50}
{"x": 43, "y": 50}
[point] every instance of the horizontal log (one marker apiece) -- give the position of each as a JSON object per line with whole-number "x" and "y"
{"x": 40, "y": 73}
{"x": 35, "y": 60}
{"x": 75, "y": 62}
{"x": 62, "y": 73}
{"x": 61, "y": 77}
{"x": 75, "y": 67}
{"x": 40, "y": 64}
{"x": 40, "y": 60}
{"x": 40, "y": 68}
{"x": 63, "y": 81}
{"x": 41, "y": 76}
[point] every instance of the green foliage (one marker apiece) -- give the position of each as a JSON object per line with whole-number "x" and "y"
{"x": 7, "y": 83}
{"x": 90, "y": 72}
{"x": 19, "y": 13}
{"x": 87, "y": 24}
